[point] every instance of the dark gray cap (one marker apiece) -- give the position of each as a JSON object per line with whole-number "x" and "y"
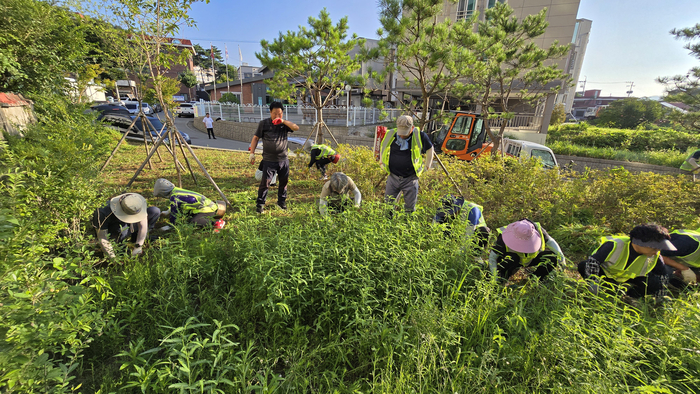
{"x": 661, "y": 245}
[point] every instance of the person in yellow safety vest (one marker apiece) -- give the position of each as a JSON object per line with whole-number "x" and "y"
{"x": 523, "y": 244}
{"x": 401, "y": 156}
{"x": 683, "y": 264}
{"x": 322, "y": 155}
{"x": 336, "y": 192}
{"x": 196, "y": 208}
{"x": 691, "y": 164}
{"x": 632, "y": 261}
{"x": 470, "y": 211}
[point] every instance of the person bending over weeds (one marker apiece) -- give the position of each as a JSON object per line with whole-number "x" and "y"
{"x": 631, "y": 261}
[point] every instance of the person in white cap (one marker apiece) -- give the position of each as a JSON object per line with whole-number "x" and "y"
{"x": 126, "y": 216}
{"x": 401, "y": 156}
{"x": 336, "y": 194}
{"x": 194, "y": 207}
{"x": 632, "y": 261}
{"x": 522, "y": 244}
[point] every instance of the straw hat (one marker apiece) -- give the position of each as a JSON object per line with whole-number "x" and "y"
{"x": 129, "y": 207}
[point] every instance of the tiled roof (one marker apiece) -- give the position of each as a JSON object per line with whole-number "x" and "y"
{"x": 13, "y": 100}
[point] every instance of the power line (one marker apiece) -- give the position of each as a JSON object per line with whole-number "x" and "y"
{"x": 226, "y": 41}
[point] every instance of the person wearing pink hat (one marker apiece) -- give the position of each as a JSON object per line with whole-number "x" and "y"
{"x": 631, "y": 261}
{"x": 523, "y": 244}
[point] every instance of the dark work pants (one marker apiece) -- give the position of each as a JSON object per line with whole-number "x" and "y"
{"x": 509, "y": 264}
{"x": 268, "y": 171}
{"x": 203, "y": 219}
{"x": 320, "y": 163}
{"x": 635, "y": 288}
{"x": 153, "y": 216}
{"x": 210, "y": 133}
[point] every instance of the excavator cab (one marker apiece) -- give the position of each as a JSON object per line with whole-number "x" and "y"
{"x": 465, "y": 137}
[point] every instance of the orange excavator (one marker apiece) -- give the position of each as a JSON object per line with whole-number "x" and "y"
{"x": 465, "y": 137}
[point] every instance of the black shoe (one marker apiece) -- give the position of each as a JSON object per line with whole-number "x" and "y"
{"x": 282, "y": 204}
{"x": 214, "y": 137}
{"x": 260, "y": 209}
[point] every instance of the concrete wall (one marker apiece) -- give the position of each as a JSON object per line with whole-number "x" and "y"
{"x": 581, "y": 163}
{"x": 244, "y": 132}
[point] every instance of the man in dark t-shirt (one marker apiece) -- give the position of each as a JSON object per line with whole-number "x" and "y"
{"x": 273, "y": 133}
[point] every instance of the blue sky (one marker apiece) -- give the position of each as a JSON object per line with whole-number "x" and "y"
{"x": 629, "y": 38}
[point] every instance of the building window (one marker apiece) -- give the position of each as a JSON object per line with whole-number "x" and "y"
{"x": 492, "y": 3}
{"x": 465, "y": 9}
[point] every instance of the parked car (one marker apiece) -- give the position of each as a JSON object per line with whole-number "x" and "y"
{"x": 527, "y": 149}
{"x": 147, "y": 109}
{"x": 132, "y": 106}
{"x": 110, "y": 109}
{"x": 159, "y": 126}
{"x": 185, "y": 109}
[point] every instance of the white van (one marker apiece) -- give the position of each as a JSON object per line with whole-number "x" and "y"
{"x": 527, "y": 149}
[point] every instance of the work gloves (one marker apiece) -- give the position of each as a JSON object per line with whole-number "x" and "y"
{"x": 137, "y": 251}
{"x": 689, "y": 276}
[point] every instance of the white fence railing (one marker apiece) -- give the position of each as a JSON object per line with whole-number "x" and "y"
{"x": 521, "y": 121}
{"x": 332, "y": 116}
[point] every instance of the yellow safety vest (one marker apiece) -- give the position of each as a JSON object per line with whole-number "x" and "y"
{"x": 687, "y": 166}
{"x": 615, "y": 265}
{"x": 692, "y": 259}
{"x": 471, "y": 205}
{"x": 326, "y": 150}
{"x": 526, "y": 258}
{"x": 201, "y": 205}
{"x": 416, "y": 149}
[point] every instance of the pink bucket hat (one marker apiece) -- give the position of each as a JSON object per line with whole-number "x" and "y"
{"x": 522, "y": 237}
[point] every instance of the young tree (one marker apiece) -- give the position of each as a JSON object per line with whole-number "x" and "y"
{"x": 313, "y": 64}
{"x": 630, "y": 112}
{"x": 686, "y": 88}
{"x": 511, "y": 66}
{"x": 229, "y": 98}
{"x": 558, "y": 115}
{"x": 188, "y": 79}
{"x": 428, "y": 55}
{"x": 40, "y": 43}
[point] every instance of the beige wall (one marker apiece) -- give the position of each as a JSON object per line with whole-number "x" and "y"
{"x": 561, "y": 15}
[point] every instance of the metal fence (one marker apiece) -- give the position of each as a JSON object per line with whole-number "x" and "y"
{"x": 299, "y": 114}
{"x": 521, "y": 121}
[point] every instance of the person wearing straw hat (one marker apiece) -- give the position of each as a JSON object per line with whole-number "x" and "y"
{"x": 632, "y": 261}
{"x": 336, "y": 194}
{"x": 322, "y": 155}
{"x": 126, "y": 216}
{"x": 401, "y": 156}
{"x": 524, "y": 244}
{"x": 194, "y": 207}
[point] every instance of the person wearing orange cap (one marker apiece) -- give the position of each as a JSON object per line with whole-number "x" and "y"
{"x": 126, "y": 216}
{"x": 322, "y": 155}
{"x": 523, "y": 244}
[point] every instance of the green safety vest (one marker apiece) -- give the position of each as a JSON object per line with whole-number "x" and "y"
{"x": 526, "y": 258}
{"x": 326, "y": 150}
{"x": 471, "y": 205}
{"x": 687, "y": 166}
{"x": 693, "y": 259}
{"x": 201, "y": 205}
{"x": 615, "y": 264}
{"x": 416, "y": 149}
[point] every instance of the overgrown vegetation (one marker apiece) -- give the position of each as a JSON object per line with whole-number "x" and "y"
{"x": 661, "y": 146}
{"x": 291, "y": 302}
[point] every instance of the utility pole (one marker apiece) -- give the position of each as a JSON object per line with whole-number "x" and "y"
{"x": 584, "y": 85}
{"x": 631, "y": 85}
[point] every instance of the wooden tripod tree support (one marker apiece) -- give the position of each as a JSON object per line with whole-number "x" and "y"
{"x": 131, "y": 126}
{"x": 318, "y": 127}
{"x": 175, "y": 135}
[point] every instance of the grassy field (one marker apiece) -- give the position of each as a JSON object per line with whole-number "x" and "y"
{"x": 662, "y": 146}
{"x": 288, "y": 302}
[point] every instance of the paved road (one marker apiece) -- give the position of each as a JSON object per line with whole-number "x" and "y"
{"x": 202, "y": 139}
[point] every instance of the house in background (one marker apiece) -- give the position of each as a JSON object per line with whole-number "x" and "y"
{"x": 589, "y": 104}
